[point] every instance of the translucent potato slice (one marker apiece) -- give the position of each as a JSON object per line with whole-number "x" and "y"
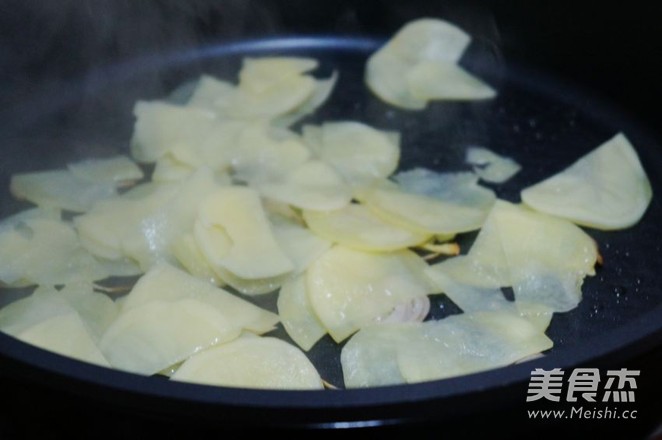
{"x": 166, "y": 283}
{"x": 67, "y": 322}
{"x": 115, "y": 169}
{"x": 148, "y": 338}
{"x": 169, "y": 169}
{"x": 261, "y": 153}
{"x": 233, "y": 233}
{"x": 490, "y": 166}
{"x": 299, "y": 243}
{"x": 358, "y": 227}
{"x": 161, "y": 126}
{"x": 457, "y": 345}
{"x": 349, "y": 289}
{"x": 260, "y": 74}
{"x": 605, "y": 189}
{"x": 188, "y": 254}
{"x": 419, "y": 64}
{"x": 429, "y": 39}
{"x": 251, "y": 362}
{"x": 469, "y": 343}
{"x": 314, "y": 185}
{"x": 26, "y": 255}
{"x": 297, "y": 315}
{"x": 434, "y": 80}
{"x": 432, "y": 203}
{"x": 548, "y": 257}
{"x": 65, "y": 335}
{"x": 210, "y": 93}
{"x": 360, "y": 153}
{"x": 322, "y": 92}
{"x": 60, "y": 189}
{"x": 269, "y": 101}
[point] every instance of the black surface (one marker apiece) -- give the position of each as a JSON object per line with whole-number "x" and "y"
{"x": 543, "y": 122}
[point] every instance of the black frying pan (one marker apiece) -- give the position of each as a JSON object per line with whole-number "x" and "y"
{"x": 538, "y": 119}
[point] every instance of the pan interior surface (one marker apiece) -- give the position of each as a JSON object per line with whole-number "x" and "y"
{"x": 541, "y": 122}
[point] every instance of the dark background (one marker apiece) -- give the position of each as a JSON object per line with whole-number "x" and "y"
{"x": 612, "y": 49}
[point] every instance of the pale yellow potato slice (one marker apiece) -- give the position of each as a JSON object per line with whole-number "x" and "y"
{"x": 548, "y": 257}
{"x": 167, "y": 283}
{"x": 322, "y": 92}
{"x": 469, "y": 343}
{"x": 65, "y": 335}
{"x": 117, "y": 169}
{"x": 271, "y": 101}
{"x": 142, "y": 226}
{"x": 69, "y": 322}
{"x": 169, "y": 169}
{"x": 297, "y": 315}
{"x": 161, "y": 126}
{"x": 150, "y": 337}
{"x": 461, "y": 207}
{"x": 434, "y": 80}
{"x": 349, "y": 289}
{"x": 388, "y": 354}
{"x": 419, "y": 64}
{"x": 358, "y": 227}
{"x": 250, "y": 251}
{"x": 298, "y": 242}
{"x": 210, "y": 93}
{"x": 360, "y": 153}
{"x": 251, "y": 362}
{"x": 262, "y": 153}
{"x": 26, "y": 254}
{"x": 260, "y": 74}
{"x": 429, "y": 39}
{"x": 188, "y": 254}
{"x": 490, "y": 166}
{"x": 60, "y": 189}
{"x": 605, "y": 189}
{"x": 314, "y": 185}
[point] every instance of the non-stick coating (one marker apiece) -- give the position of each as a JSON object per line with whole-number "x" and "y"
{"x": 541, "y": 122}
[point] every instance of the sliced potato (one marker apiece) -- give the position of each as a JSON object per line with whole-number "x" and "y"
{"x": 357, "y": 227}
{"x": 349, "y": 289}
{"x": 260, "y": 74}
{"x": 161, "y": 126}
{"x": 605, "y": 189}
{"x": 150, "y": 337}
{"x": 490, "y": 166}
{"x": 166, "y": 283}
{"x": 322, "y": 92}
{"x": 297, "y": 315}
{"x": 210, "y": 93}
{"x": 115, "y": 169}
{"x": 314, "y": 185}
{"x": 300, "y": 245}
{"x": 360, "y": 153}
{"x": 60, "y": 189}
{"x": 456, "y": 345}
{"x": 251, "y": 362}
{"x": 419, "y": 64}
{"x": 231, "y": 226}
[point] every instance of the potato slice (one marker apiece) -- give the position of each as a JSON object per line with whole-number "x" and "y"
{"x": 419, "y": 64}
{"x": 148, "y": 338}
{"x": 251, "y": 362}
{"x": 434, "y": 80}
{"x": 188, "y": 254}
{"x": 67, "y": 322}
{"x": 605, "y": 189}
{"x": 360, "y": 153}
{"x": 260, "y": 74}
{"x": 166, "y": 283}
{"x": 357, "y": 227}
{"x": 432, "y": 203}
{"x": 232, "y": 226}
{"x": 116, "y": 169}
{"x": 469, "y": 343}
{"x": 161, "y": 126}
{"x": 457, "y": 345}
{"x": 297, "y": 315}
{"x": 26, "y": 255}
{"x": 349, "y": 289}
{"x": 60, "y": 189}
{"x": 490, "y": 166}
{"x": 300, "y": 245}
{"x": 322, "y": 92}
{"x": 314, "y": 185}
{"x": 210, "y": 93}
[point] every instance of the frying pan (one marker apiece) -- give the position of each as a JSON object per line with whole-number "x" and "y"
{"x": 541, "y": 118}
